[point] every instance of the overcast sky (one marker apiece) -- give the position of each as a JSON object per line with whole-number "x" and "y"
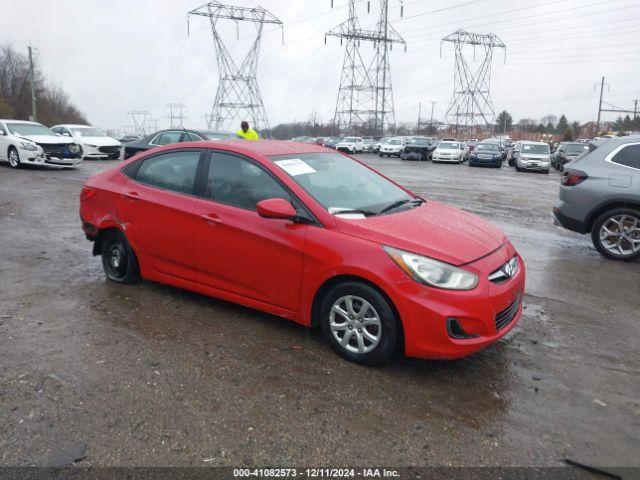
{"x": 120, "y": 55}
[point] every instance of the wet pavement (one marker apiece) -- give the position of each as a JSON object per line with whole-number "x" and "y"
{"x": 103, "y": 374}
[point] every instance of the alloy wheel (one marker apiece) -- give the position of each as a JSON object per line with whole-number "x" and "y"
{"x": 620, "y": 235}
{"x": 14, "y": 159}
{"x": 355, "y": 324}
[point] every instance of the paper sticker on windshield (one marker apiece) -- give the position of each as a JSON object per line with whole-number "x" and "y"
{"x": 295, "y": 166}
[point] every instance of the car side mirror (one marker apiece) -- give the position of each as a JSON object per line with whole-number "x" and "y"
{"x": 276, "y": 208}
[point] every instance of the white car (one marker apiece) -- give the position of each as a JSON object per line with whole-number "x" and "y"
{"x": 393, "y": 146}
{"x": 351, "y": 145}
{"x": 95, "y": 143}
{"x": 533, "y": 156}
{"x": 448, "y": 151}
{"x": 31, "y": 143}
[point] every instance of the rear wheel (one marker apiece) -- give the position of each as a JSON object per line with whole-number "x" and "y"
{"x": 13, "y": 157}
{"x": 616, "y": 234}
{"x": 118, "y": 259}
{"x": 359, "y": 323}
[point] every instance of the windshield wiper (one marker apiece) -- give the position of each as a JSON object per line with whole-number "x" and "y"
{"x": 344, "y": 211}
{"x": 400, "y": 203}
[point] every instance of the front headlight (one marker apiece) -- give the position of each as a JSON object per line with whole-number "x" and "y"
{"x": 432, "y": 272}
{"x": 29, "y": 146}
{"x": 74, "y": 147}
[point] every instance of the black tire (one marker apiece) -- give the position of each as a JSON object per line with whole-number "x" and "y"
{"x": 388, "y": 331}
{"x": 118, "y": 259}
{"x": 631, "y": 213}
{"x": 13, "y": 157}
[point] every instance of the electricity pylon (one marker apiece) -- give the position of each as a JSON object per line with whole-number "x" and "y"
{"x": 176, "y": 115}
{"x": 365, "y": 97}
{"x": 238, "y": 96}
{"x": 471, "y": 105}
{"x": 142, "y": 122}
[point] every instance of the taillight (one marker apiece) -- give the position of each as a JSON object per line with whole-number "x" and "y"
{"x": 87, "y": 193}
{"x": 572, "y": 177}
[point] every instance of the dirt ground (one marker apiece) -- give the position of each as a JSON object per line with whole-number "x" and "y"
{"x": 104, "y": 374}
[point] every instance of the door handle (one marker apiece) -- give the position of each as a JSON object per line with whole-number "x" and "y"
{"x": 133, "y": 196}
{"x": 211, "y": 218}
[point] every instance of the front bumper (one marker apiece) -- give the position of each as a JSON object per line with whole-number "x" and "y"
{"x": 425, "y": 310}
{"x": 535, "y": 166}
{"x": 390, "y": 151}
{"x": 494, "y": 162}
{"x": 29, "y": 157}
{"x": 447, "y": 158}
{"x": 106, "y": 152}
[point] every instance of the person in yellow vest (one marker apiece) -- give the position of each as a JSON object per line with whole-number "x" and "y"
{"x": 246, "y": 132}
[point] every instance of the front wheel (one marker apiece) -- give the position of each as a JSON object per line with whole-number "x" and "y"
{"x": 119, "y": 260}
{"x": 359, "y": 323}
{"x": 616, "y": 234}
{"x": 14, "y": 158}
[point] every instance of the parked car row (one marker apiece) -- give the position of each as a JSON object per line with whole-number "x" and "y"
{"x": 31, "y": 143}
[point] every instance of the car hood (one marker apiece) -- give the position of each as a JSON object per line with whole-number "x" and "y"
{"x": 433, "y": 229}
{"x": 99, "y": 141}
{"x": 49, "y": 139}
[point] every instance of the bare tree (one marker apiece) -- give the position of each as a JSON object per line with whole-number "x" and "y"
{"x": 15, "y": 94}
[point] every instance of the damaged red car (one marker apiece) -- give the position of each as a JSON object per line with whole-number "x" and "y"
{"x": 312, "y": 235}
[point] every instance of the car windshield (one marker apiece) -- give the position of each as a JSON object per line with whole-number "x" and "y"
{"x": 535, "y": 149}
{"x": 211, "y": 135}
{"x": 339, "y": 183}
{"x": 88, "y": 132}
{"x": 350, "y": 140}
{"x": 576, "y": 148}
{"x": 487, "y": 146}
{"x": 419, "y": 141}
{"x": 395, "y": 141}
{"x": 448, "y": 146}
{"x": 29, "y": 129}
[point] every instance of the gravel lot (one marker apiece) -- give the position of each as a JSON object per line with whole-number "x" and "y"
{"x": 105, "y": 374}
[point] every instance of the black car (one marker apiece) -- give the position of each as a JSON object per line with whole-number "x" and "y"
{"x": 486, "y": 154}
{"x": 167, "y": 137}
{"x": 419, "y": 148}
{"x": 568, "y": 152}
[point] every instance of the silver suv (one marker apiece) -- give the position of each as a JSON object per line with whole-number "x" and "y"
{"x": 600, "y": 194}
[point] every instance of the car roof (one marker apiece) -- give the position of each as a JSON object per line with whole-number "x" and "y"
{"x": 73, "y": 125}
{"x": 269, "y": 147}
{"x": 19, "y": 121}
{"x": 533, "y": 142}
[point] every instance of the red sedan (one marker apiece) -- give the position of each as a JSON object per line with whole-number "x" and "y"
{"x": 312, "y": 235}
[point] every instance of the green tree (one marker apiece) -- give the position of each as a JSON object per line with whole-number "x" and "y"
{"x": 567, "y": 136}
{"x": 504, "y": 122}
{"x": 618, "y": 124}
{"x": 563, "y": 124}
{"x": 540, "y": 128}
{"x": 575, "y": 129}
{"x": 550, "y": 128}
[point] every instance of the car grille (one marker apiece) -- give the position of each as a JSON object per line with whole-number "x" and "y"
{"x": 109, "y": 150}
{"x": 505, "y": 317}
{"x": 58, "y": 151}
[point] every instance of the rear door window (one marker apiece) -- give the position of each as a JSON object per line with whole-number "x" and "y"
{"x": 175, "y": 171}
{"x": 629, "y": 156}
